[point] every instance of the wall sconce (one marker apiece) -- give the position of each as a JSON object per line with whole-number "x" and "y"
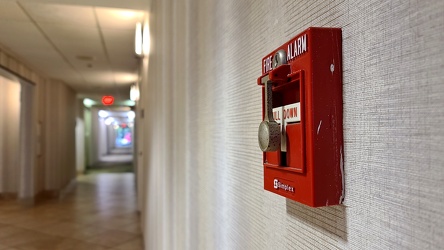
{"x": 142, "y": 39}
{"x": 88, "y": 102}
{"x": 139, "y": 39}
{"x": 134, "y": 93}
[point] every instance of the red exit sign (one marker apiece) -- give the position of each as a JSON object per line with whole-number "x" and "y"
{"x": 107, "y": 100}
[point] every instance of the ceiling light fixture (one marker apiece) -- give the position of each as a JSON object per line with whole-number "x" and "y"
{"x": 88, "y": 102}
{"x": 131, "y": 115}
{"x": 129, "y": 103}
{"x": 103, "y": 113}
{"x": 109, "y": 120}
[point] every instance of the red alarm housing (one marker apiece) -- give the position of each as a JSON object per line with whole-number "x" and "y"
{"x": 302, "y": 135}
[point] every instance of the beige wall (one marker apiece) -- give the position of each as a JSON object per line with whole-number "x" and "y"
{"x": 60, "y": 135}
{"x": 202, "y": 110}
{"x": 9, "y": 135}
{"x": 80, "y": 137}
{"x": 54, "y": 109}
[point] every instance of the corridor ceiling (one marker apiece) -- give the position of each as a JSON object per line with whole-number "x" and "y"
{"x": 88, "y": 44}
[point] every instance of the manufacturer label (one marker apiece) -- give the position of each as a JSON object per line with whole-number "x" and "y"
{"x": 280, "y": 185}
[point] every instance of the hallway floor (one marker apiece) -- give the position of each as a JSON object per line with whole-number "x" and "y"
{"x": 99, "y": 214}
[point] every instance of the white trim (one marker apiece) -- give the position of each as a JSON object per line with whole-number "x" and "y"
{"x": 9, "y": 75}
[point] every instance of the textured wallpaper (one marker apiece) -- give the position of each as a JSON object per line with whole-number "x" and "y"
{"x": 203, "y": 177}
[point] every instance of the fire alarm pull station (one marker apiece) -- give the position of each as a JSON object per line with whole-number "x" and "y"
{"x": 301, "y": 132}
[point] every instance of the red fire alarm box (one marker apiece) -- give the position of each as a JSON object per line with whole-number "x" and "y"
{"x": 301, "y": 132}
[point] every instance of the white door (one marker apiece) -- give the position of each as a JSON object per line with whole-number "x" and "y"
{"x": 27, "y": 142}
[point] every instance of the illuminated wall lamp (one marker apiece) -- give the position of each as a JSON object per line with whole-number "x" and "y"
{"x": 139, "y": 39}
{"x": 134, "y": 93}
{"x": 142, "y": 39}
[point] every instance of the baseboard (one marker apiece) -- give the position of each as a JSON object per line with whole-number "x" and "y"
{"x": 45, "y": 195}
{"x": 68, "y": 188}
{"x": 55, "y": 194}
{"x": 8, "y": 196}
{"x": 26, "y": 202}
{"x": 42, "y": 195}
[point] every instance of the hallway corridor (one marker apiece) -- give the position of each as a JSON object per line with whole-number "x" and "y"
{"x": 99, "y": 214}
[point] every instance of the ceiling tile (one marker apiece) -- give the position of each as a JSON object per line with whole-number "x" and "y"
{"x": 84, "y": 48}
{"x": 119, "y": 40}
{"x": 11, "y": 11}
{"x": 70, "y": 32}
{"x": 125, "y": 77}
{"x": 82, "y": 65}
{"x": 98, "y": 77}
{"x": 69, "y": 76}
{"x": 21, "y": 36}
{"x": 74, "y": 32}
{"x": 47, "y": 61}
{"x": 64, "y": 73}
{"x": 126, "y": 4}
{"x": 125, "y": 65}
{"x": 61, "y": 14}
{"x": 118, "y": 18}
{"x": 95, "y": 67}
{"x": 120, "y": 46}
